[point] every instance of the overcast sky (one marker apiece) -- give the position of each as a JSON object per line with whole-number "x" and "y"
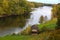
{"x": 47, "y": 1}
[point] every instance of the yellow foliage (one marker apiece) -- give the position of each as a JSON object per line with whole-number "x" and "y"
{"x": 5, "y": 3}
{"x": 1, "y": 11}
{"x": 27, "y": 31}
{"x": 15, "y": 7}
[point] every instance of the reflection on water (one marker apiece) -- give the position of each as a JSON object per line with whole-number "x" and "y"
{"x": 12, "y": 24}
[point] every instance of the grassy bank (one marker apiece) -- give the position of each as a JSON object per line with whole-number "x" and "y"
{"x": 49, "y": 25}
{"x": 53, "y": 35}
{"x": 20, "y": 37}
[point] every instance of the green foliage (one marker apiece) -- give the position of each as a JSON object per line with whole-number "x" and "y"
{"x": 20, "y": 37}
{"x": 15, "y": 7}
{"x": 56, "y": 12}
{"x": 58, "y": 16}
{"x": 49, "y": 25}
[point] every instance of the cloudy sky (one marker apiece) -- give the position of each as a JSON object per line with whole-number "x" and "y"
{"x": 47, "y": 1}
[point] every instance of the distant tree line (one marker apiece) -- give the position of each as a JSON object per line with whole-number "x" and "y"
{"x": 36, "y": 4}
{"x": 47, "y": 4}
{"x": 15, "y": 7}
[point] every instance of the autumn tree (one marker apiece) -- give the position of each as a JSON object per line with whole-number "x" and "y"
{"x": 15, "y": 7}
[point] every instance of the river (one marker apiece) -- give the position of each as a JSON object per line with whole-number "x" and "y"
{"x": 34, "y": 19}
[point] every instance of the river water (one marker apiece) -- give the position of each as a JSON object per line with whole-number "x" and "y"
{"x": 34, "y": 19}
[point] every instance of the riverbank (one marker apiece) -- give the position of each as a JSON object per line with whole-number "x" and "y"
{"x": 49, "y": 25}
{"x": 45, "y": 35}
{"x": 42, "y": 36}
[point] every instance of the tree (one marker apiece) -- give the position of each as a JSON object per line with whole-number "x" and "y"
{"x": 41, "y": 19}
{"x": 58, "y": 16}
{"x": 56, "y": 11}
{"x": 15, "y": 7}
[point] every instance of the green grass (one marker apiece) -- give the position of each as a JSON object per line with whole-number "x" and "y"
{"x": 52, "y": 35}
{"x": 49, "y": 24}
{"x": 20, "y": 37}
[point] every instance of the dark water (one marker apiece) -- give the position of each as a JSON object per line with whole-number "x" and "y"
{"x": 12, "y": 24}
{"x": 15, "y": 24}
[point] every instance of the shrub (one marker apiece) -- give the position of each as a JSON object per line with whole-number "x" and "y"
{"x": 26, "y": 31}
